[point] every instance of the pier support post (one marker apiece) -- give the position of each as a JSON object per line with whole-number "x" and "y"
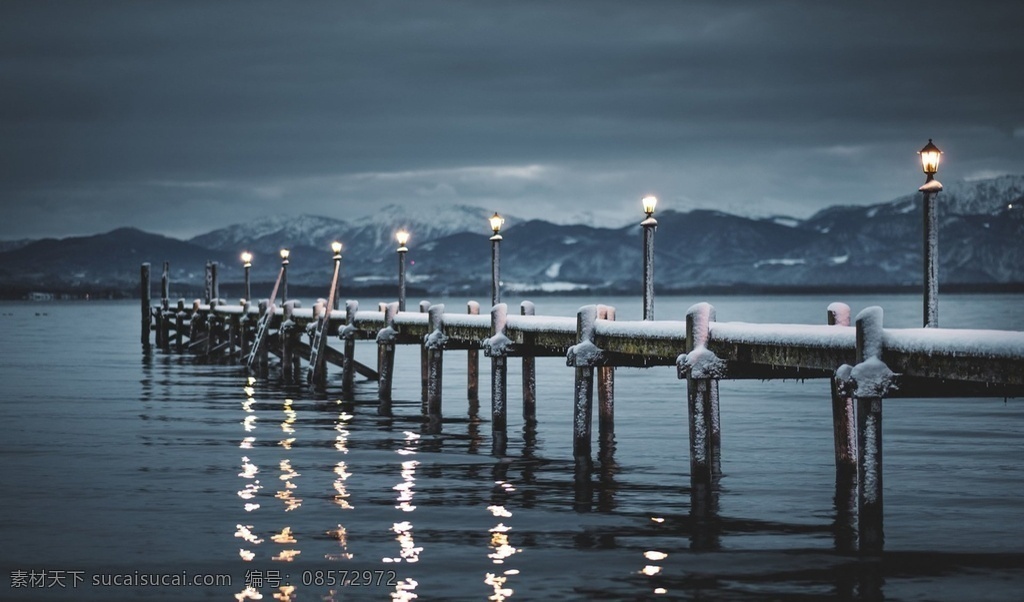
{"x": 263, "y": 353}
{"x": 701, "y": 397}
{"x": 499, "y": 379}
{"x": 164, "y": 318}
{"x": 179, "y": 326}
{"x": 245, "y": 329}
{"x": 527, "y": 308}
{"x": 424, "y": 308}
{"x": 844, "y": 431}
{"x": 872, "y": 379}
{"x": 434, "y": 343}
{"x": 386, "y": 345}
{"x": 348, "y": 369}
{"x": 146, "y": 309}
{"x": 289, "y": 332}
{"x": 606, "y": 393}
{"x": 473, "y": 367}
{"x": 843, "y": 413}
{"x": 582, "y": 356}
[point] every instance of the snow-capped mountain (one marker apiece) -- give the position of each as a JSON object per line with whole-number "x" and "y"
{"x": 981, "y": 242}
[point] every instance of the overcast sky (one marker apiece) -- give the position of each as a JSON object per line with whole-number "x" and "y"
{"x": 179, "y": 117}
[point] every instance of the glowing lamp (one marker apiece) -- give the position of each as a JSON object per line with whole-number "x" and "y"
{"x": 402, "y": 237}
{"x": 930, "y": 158}
{"x": 336, "y": 247}
{"x": 285, "y": 253}
{"x": 649, "y": 202}
{"x": 247, "y": 259}
{"x": 496, "y": 222}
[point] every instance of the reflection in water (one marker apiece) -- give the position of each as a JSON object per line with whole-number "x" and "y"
{"x": 285, "y": 593}
{"x": 408, "y": 550}
{"x": 249, "y": 490}
{"x": 501, "y": 548}
{"x": 651, "y": 570}
{"x": 341, "y": 493}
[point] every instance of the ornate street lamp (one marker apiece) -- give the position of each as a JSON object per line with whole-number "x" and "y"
{"x": 336, "y": 248}
{"x": 496, "y": 222}
{"x": 246, "y": 264}
{"x": 649, "y": 225}
{"x": 930, "y": 155}
{"x": 284, "y": 274}
{"x": 402, "y": 237}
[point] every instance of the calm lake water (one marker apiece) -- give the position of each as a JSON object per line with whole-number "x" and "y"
{"x": 117, "y": 462}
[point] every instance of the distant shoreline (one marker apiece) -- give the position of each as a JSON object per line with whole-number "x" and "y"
{"x": 230, "y": 291}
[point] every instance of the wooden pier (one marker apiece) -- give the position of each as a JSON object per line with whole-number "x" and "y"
{"x": 865, "y": 362}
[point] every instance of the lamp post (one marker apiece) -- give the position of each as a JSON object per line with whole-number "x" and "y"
{"x": 930, "y": 164}
{"x": 336, "y": 247}
{"x": 284, "y": 274}
{"x": 246, "y": 264}
{"x": 496, "y": 223}
{"x": 402, "y": 237}
{"x": 649, "y": 225}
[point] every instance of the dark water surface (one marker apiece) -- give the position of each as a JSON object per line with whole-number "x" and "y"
{"x": 118, "y": 462}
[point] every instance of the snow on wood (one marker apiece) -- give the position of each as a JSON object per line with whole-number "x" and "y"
{"x": 802, "y": 335}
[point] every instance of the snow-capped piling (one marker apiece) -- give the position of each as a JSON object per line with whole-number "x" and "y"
{"x": 605, "y": 390}
{"x": 386, "y": 345}
{"x": 146, "y": 312}
{"x": 424, "y": 308}
{"x": 435, "y": 343}
{"x": 870, "y": 389}
{"x": 527, "y": 308}
{"x": 495, "y": 347}
{"x": 349, "y": 364}
{"x": 473, "y": 363}
{"x": 701, "y": 400}
{"x": 583, "y": 355}
{"x": 844, "y": 423}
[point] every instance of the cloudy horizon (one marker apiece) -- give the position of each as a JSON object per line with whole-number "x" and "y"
{"x": 183, "y": 117}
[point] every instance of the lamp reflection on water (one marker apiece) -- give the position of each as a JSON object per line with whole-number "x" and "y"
{"x": 408, "y": 550}
{"x": 500, "y": 546}
{"x": 653, "y": 556}
{"x": 341, "y": 493}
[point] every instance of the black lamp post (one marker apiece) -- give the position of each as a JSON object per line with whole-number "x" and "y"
{"x": 930, "y": 164}
{"x": 246, "y": 264}
{"x": 284, "y": 274}
{"x": 496, "y": 223}
{"x": 649, "y": 225}
{"x": 402, "y": 237}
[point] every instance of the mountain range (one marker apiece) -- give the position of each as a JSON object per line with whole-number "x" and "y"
{"x": 981, "y": 244}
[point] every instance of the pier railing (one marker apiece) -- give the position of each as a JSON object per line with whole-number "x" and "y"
{"x": 864, "y": 362}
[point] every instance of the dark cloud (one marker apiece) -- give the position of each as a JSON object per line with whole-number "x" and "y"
{"x": 182, "y": 116}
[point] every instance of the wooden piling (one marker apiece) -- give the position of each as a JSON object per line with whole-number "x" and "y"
{"x": 583, "y": 406}
{"x": 424, "y": 308}
{"x": 527, "y": 308}
{"x": 179, "y": 326}
{"x": 606, "y": 390}
{"x": 245, "y": 329}
{"x": 146, "y": 315}
{"x": 289, "y": 339}
{"x": 207, "y": 285}
{"x": 499, "y": 380}
{"x": 844, "y": 422}
{"x": 262, "y": 350}
{"x": 349, "y": 368}
{"x": 473, "y": 365}
{"x": 434, "y": 343}
{"x": 869, "y": 433}
{"x": 386, "y": 345}
{"x": 699, "y": 397}
{"x": 165, "y": 286}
